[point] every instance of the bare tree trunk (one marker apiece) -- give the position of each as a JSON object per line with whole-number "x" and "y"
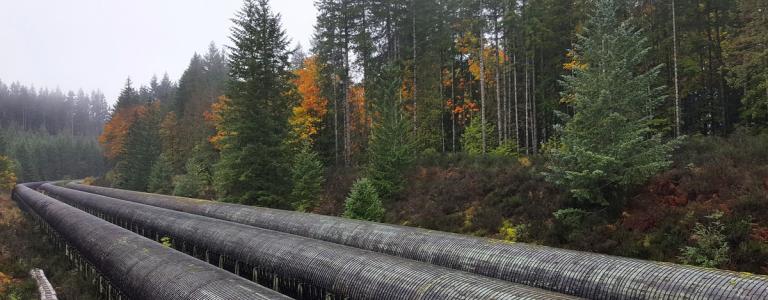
{"x": 514, "y": 93}
{"x": 535, "y": 142}
{"x": 335, "y": 117}
{"x": 482, "y": 92}
{"x": 505, "y": 79}
{"x": 499, "y": 126}
{"x": 413, "y": 27}
{"x": 440, "y": 105}
{"x": 453, "y": 102}
{"x": 347, "y": 110}
{"x": 674, "y": 58}
{"x": 525, "y": 67}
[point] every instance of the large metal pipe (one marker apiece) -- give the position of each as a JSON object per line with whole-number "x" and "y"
{"x": 137, "y": 266}
{"x": 346, "y": 271}
{"x": 583, "y": 274}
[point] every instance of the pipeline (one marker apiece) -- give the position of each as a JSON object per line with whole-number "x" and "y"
{"x": 344, "y": 271}
{"x": 582, "y": 274}
{"x": 135, "y": 266}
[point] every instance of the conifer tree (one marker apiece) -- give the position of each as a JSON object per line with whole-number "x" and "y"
{"x": 142, "y": 147}
{"x": 128, "y": 96}
{"x": 253, "y": 128}
{"x": 161, "y": 176}
{"x": 390, "y": 146}
{"x": 307, "y": 178}
{"x": 363, "y": 202}
{"x": 747, "y": 53}
{"x": 607, "y": 146}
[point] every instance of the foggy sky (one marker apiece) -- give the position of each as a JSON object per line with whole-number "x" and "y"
{"x": 96, "y": 44}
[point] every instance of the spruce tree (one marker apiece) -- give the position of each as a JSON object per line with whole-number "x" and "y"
{"x": 142, "y": 147}
{"x": 363, "y": 202}
{"x": 161, "y": 176}
{"x": 607, "y": 146}
{"x": 307, "y": 178}
{"x": 253, "y": 165}
{"x": 128, "y": 96}
{"x": 390, "y": 145}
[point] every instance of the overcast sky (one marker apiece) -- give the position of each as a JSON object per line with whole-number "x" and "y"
{"x": 96, "y": 44}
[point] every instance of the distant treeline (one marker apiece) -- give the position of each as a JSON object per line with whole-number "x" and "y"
{"x": 52, "y": 111}
{"x": 43, "y": 156}
{"x": 51, "y": 135}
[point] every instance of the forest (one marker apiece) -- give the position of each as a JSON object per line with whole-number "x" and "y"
{"x": 629, "y": 127}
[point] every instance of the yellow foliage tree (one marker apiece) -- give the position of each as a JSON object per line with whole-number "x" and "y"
{"x": 308, "y": 115}
{"x": 214, "y": 117}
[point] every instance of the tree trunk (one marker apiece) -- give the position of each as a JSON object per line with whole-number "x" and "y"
{"x": 413, "y": 27}
{"x": 514, "y": 94}
{"x": 347, "y": 110}
{"x": 499, "y": 126}
{"x": 525, "y": 67}
{"x": 534, "y": 135}
{"x": 674, "y": 59}
{"x": 453, "y": 104}
{"x": 482, "y": 92}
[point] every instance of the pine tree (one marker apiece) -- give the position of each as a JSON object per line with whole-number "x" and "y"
{"x": 363, "y": 202}
{"x": 253, "y": 128}
{"x": 390, "y": 146}
{"x": 607, "y": 146}
{"x": 307, "y": 178}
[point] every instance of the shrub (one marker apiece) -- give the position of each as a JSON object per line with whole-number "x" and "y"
{"x": 186, "y": 185}
{"x": 711, "y": 249}
{"x": 7, "y": 177}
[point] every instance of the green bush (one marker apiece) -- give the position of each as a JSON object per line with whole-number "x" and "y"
{"x": 7, "y": 177}
{"x": 711, "y": 248}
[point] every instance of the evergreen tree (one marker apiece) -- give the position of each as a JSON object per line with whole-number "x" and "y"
{"x": 607, "y": 146}
{"x": 198, "y": 180}
{"x": 307, "y": 178}
{"x": 390, "y": 146}
{"x": 747, "y": 53}
{"x": 141, "y": 149}
{"x": 253, "y": 164}
{"x": 363, "y": 202}
{"x": 161, "y": 176}
{"x": 472, "y": 139}
{"x": 128, "y": 96}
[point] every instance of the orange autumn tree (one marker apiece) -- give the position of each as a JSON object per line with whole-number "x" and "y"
{"x": 214, "y": 119}
{"x": 115, "y": 133}
{"x": 307, "y": 116}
